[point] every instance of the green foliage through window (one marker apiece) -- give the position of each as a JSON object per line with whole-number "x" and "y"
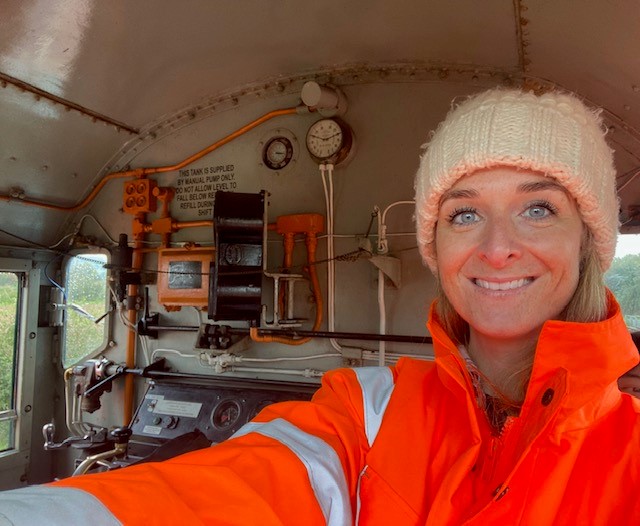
{"x": 9, "y": 294}
{"x": 623, "y": 278}
{"x": 86, "y": 301}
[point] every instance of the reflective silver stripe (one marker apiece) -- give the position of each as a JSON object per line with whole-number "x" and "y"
{"x": 323, "y": 466}
{"x": 53, "y": 506}
{"x": 377, "y": 385}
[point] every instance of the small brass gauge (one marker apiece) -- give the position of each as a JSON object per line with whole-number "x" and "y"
{"x": 329, "y": 140}
{"x": 277, "y": 153}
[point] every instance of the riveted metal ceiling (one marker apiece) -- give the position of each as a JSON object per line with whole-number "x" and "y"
{"x": 81, "y": 79}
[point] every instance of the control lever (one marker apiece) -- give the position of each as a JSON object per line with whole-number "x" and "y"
{"x": 121, "y": 436}
{"x": 97, "y": 435}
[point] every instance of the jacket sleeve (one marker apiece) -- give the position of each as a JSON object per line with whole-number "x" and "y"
{"x": 296, "y": 462}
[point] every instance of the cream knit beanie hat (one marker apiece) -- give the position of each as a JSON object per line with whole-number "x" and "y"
{"x": 555, "y": 134}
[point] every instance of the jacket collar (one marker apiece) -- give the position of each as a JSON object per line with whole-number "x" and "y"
{"x": 590, "y": 357}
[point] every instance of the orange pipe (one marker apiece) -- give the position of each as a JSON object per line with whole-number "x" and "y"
{"x": 151, "y": 228}
{"x": 222, "y": 142}
{"x": 85, "y": 202}
{"x": 178, "y": 225}
{"x": 143, "y": 172}
{"x": 132, "y": 315}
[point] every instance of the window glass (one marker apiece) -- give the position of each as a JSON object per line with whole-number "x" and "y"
{"x": 9, "y": 296}
{"x": 85, "y": 291}
{"x": 623, "y": 278}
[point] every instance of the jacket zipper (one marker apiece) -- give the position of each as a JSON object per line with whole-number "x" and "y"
{"x": 363, "y": 473}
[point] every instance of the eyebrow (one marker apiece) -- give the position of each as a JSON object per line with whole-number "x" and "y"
{"x": 533, "y": 186}
{"x": 536, "y": 186}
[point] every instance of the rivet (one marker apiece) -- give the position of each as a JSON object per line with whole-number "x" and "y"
{"x": 32, "y": 335}
{"x": 635, "y": 88}
{"x": 627, "y": 107}
{"x": 27, "y": 409}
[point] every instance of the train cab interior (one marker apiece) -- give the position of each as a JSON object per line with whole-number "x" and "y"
{"x": 207, "y": 205}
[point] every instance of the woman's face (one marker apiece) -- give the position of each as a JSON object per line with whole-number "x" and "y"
{"x": 508, "y": 251}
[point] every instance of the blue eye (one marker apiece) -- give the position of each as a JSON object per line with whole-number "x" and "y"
{"x": 540, "y": 210}
{"x": 463, "y": 217}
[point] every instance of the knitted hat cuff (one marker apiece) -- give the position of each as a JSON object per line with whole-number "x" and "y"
{"x": 554, "y": 134}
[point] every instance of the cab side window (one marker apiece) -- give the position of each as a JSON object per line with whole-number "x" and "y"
{"x": 85, "y": 304}
{"x": 9, "y": 311}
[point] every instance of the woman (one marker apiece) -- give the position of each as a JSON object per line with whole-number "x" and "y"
{"x": 518, "y": 421}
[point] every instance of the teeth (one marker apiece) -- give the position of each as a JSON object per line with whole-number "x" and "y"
{"x": 508, "y": 285}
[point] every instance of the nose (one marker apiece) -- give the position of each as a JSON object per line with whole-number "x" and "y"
{"x": 500, "y": 244}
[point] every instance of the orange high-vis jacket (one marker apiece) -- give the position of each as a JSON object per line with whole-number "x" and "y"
{"x": 408, "y": 446}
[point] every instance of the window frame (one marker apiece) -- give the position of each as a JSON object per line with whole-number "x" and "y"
{"x": 108, "y": 325}
{"x": 16, "y": 459}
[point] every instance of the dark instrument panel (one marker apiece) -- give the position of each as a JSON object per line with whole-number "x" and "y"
{"x": 218, "y": 409}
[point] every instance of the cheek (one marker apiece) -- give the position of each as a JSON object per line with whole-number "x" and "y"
{"x": 566, "y": 255}
{"x": 451, "y": 249}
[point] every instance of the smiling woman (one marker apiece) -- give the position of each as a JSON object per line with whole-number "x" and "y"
{"x": 516, "y": 218}
{"x": 508, "y": 260}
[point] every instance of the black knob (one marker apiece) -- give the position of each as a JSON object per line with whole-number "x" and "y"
{"x": 121, "y": 435}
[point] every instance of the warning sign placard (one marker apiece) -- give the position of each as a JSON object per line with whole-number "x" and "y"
{"x": 196, "y": 187}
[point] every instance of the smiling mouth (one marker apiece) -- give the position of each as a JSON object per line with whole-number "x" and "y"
{"x": 505, "y": 285}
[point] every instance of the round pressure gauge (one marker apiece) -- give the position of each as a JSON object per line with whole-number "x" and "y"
{"x": 277, "y": 153}
{"x": 226, "y": 414}
{"x": 329, "y": 140}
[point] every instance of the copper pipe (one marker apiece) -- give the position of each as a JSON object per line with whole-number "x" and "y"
{"x": 143, "y": 172}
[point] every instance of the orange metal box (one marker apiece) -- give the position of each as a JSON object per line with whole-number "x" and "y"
{"x": 183, "y": 278}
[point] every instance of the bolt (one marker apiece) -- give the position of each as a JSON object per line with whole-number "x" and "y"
{"x": 27, "y": 409}
{"x": 32, "y": 335}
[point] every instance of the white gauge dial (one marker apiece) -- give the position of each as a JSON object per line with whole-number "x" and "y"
{"x": 277, "y": 153}
{"x": 325, "y": 139}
